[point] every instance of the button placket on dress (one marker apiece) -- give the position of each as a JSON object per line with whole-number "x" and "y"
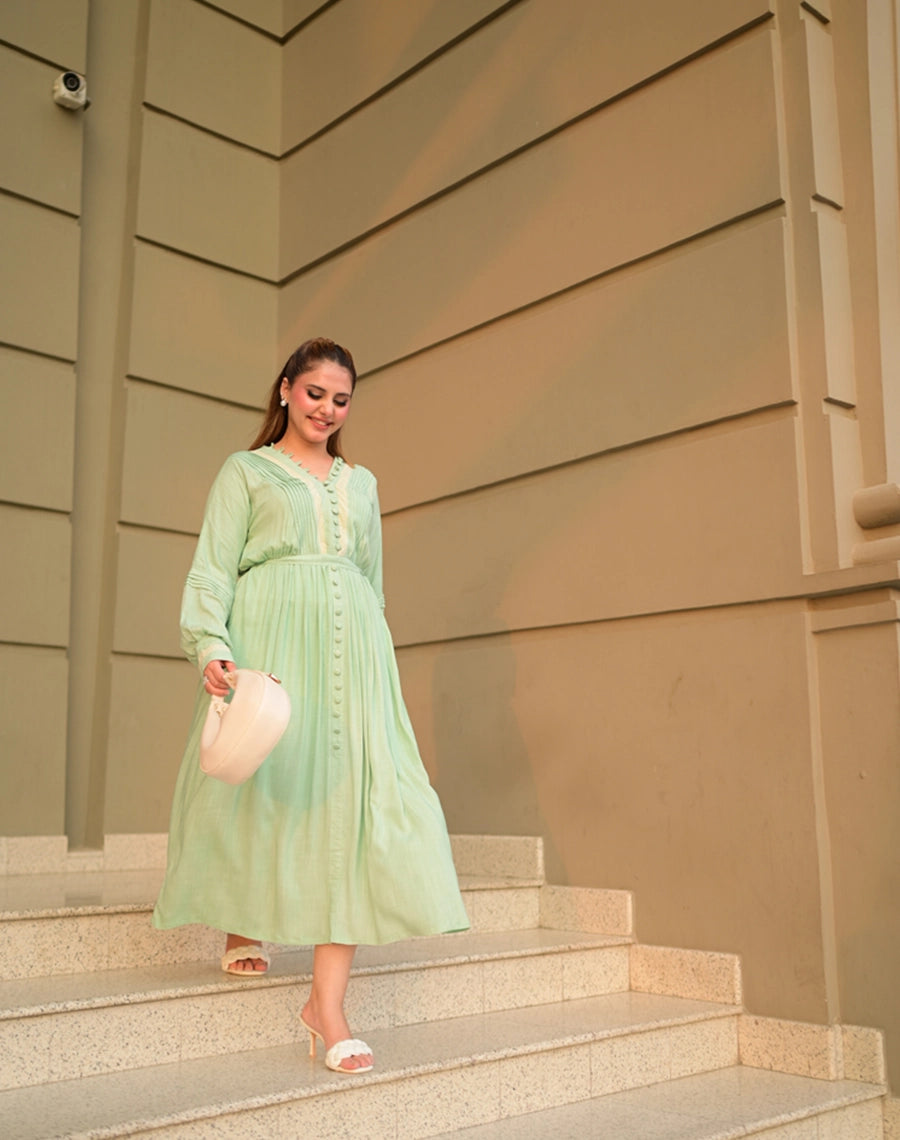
{"x": 338, "y": 599}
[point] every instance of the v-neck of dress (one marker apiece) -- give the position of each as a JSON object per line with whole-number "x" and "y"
{"x": 333, "y": 470}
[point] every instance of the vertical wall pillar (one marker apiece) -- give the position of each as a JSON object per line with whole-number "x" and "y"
{"x": 117, "y": 46}
{"x": 877, "y": 506}
{"x": 829, "y": 449}
{"x": 884, "y": 100}
{"x": 824, "y": 313}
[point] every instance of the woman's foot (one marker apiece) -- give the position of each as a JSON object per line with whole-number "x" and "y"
{"x": 332, "y": 1030}
{"x": 250, "y": 964}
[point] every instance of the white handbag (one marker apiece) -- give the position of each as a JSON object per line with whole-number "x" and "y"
{"x": 240, "y": 733}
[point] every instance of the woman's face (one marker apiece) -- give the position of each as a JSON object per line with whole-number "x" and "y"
{"x": 318, "y": 402}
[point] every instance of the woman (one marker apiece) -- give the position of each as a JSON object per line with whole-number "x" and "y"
{"x": 338, "y": 838}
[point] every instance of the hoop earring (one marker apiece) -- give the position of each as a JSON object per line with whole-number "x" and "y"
{"x": 284, "y": 403}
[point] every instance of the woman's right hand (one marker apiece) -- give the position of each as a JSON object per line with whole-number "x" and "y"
{"x": 214, "y": 677}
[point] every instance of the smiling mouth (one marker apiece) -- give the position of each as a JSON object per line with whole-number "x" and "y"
{"x": 319, "y": 423}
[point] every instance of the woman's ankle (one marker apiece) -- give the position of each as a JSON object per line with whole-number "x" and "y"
{"x": 232, "y": 940}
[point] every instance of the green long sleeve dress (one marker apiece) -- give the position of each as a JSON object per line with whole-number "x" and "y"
{"x": 339, "y": 836}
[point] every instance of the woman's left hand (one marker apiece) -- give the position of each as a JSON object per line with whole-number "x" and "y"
{"x": 214, "y": 677}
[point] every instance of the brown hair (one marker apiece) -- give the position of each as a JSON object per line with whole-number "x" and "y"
{"x": 304, "y": 359}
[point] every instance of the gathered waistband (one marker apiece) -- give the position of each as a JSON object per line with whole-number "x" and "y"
{"x": 316, "y": 560}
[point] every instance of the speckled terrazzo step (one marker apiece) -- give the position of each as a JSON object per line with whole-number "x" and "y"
{"x": 62, "y": 1027}
{"x": 429, "y": 1077}
{"x": 723, "y": 1105}
{"x": 69, "y": 923}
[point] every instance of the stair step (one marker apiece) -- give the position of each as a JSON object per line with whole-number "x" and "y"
{"x": 82, "y": 921}
{"x": 429, "y": 1077}
{"x": 513, "y": 1031}
{"x": 82, "y": 893}
{"x": 722, "y": 1105}
{"x": 77, "y": 893}
{"x": 48, "y": 1024}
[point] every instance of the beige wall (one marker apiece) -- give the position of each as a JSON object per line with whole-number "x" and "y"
{"x": 856, "y": 647}
{"x": 670, "y": 753}
{"x": 619, "y": 280}
{"x": 39, "y": 217}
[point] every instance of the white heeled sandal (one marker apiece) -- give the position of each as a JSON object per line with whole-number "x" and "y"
{"x": 245, "y": 953}
{"x": 338, "y": 1052}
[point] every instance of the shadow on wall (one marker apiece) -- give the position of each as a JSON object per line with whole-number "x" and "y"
{"x": 482, "y": 759}
{"x": 534, "y": 759}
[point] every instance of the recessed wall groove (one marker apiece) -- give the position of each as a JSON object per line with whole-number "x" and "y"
{"x": 827, "y": 201}
{"x": 282, "y": 38}
{"x": 775, "y": 206}
{"x": 204, "y": 130}
{"x": 6, "y": 193}
{"x": 726, "y": 424}
{"x": 234, "y": 18}
{"x": 33, "y": 55}
{"x": 221, "y": 400}
{"x": 785, "y": 602}
{"x": 48, "y": 645}
{"x": 814, "y": 11}
{"x": 123, "y": 654}
{"x": 307, "y": 20}
{"x": 142, "y": 240}
{"x": 124, "y": 526}
{"x": 375, "y": 95}
{"x": 29, "y": 351}
{"x": 562, "y": 126}
{"x": 508, "y": 156}
{"x": 29, "y": 507}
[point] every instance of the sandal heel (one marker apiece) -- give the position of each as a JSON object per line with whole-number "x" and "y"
{"x": 312, "y": 1037}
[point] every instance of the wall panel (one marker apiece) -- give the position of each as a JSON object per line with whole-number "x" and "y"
{"x": 668, "y": 755}
{"x": 214, "y": 72}
{"x": 54, "y": 29}
{"x": 201, "y": 328}
{"x": 34, "y": 587}
{"x": 145, "y": 749}
{"x": 639, "y": 531}
{"x": 152, "y": 567}
{"x": 34, "y": 683}
{"x": 38, "y": 278}
{"x": 40, "y": 199}
{"x": 195, "y": 435}
{"x": 40, "y": 142}
{"x": 860, "y": 709}
{"x": 691, "y": 337}
{"x": 207, "y": 197}
{"x": 382, "y": 41}
{"x": 33, "y": 391}
{"x": 523, "y": 74}
{"x": 554, "y": 216}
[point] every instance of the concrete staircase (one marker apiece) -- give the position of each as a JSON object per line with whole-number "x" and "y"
{"x": 548, "y": 1019}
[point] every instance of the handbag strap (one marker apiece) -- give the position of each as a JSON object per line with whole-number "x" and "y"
{"x": 219, "y": 704}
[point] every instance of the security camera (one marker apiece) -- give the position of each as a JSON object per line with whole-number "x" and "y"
{"x": 70, "y": 90}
